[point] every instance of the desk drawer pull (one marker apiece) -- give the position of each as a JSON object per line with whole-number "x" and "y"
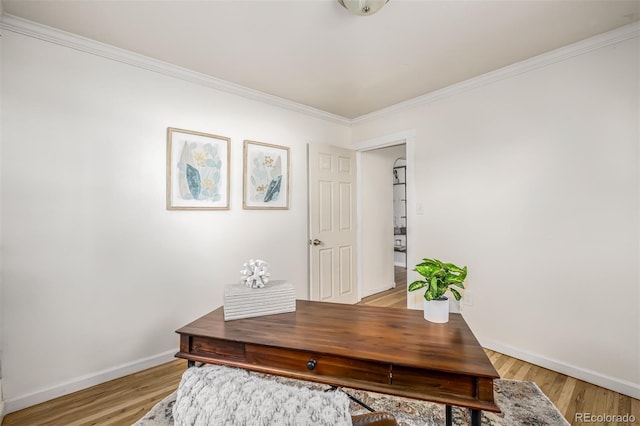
{"x": 311, "y": 364}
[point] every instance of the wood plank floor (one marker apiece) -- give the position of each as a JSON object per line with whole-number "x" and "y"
{"x": 125, "y": 400}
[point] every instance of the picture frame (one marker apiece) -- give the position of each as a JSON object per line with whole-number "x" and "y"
{"x": 266, "y": 176}
{"x": 197, "y": 170}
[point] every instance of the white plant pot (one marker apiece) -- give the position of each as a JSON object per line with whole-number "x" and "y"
{"x": 436, "y": 310}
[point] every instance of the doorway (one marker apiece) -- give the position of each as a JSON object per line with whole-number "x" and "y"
{"x": 381, "y": 195}
{"x": 400, "y": 223}
{"x": 367, "y": 265}
{"x": 373, "y": 218}
{"x": 400, "y": 213}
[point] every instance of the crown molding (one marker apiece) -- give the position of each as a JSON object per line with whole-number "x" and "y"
{"x": 575, "y": 49}
{"x": 73, "y": 41}
{"x": 53, "y": 35}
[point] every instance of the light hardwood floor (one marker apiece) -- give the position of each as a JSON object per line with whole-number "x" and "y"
{"x": 125, "y": 400}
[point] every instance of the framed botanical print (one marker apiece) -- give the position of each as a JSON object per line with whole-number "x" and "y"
{"x": 197, "y": 170}
{"x": 266, "y": 176}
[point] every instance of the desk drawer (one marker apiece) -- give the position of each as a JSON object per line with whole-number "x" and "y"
{"x": 322, "y": 365}
{"x": 216, "y": 348}
{"x": 433, "y": 382}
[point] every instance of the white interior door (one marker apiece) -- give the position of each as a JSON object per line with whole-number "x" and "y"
{"x": 332, "y": 224}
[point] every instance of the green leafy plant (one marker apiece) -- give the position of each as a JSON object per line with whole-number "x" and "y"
{"x": 439, "y": 276}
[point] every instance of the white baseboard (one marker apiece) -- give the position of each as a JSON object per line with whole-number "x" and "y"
{"x": 380, "y": 289}
{"x": 87, "y": 381}
{"x": 618, "y": 385}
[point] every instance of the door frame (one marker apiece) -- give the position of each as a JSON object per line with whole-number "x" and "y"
{"x": 408, "y": 138}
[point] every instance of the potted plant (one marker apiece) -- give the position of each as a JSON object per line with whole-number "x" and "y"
{"x": 439, "y": 276}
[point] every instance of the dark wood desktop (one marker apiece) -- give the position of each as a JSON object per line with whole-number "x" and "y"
{"x": 385, "y": 350}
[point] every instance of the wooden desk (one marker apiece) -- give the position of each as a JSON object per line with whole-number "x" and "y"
{"x": 383, "y": 350}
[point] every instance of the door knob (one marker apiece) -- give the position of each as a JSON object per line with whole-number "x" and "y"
{"x": 316, "y": 242}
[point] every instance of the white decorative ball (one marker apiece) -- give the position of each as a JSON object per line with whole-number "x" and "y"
{"x": 255, "y": 273}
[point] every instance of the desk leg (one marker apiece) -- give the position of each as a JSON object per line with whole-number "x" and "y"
{"x": 190, "y": 363}
{"x": 447, "y": 415}
{"x": 476, "y": 417}
{"x": 351, "y": 397}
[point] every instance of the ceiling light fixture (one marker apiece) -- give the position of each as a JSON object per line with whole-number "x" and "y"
{"x": 363, "y": 7}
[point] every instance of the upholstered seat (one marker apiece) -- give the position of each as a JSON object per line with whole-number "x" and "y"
{"x": 219, "y": 395}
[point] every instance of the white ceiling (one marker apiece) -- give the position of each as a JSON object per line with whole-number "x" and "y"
{"x": 315, "y": 53}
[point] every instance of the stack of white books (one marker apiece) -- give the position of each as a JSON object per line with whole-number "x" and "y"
{"x": 276, "y": 297}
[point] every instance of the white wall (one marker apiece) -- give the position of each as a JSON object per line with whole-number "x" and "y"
{"x": 376, "y": 212}
{"x": 532, "y": 181}
{"x": 96, "y": 273}
{"x": 1, "y": 395}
